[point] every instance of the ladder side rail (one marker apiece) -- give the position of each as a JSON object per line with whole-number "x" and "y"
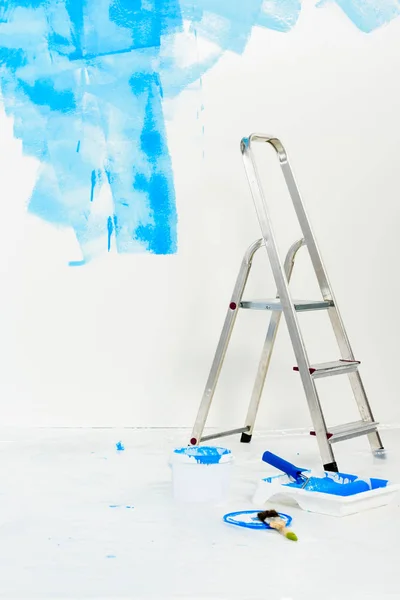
{"x": 319, "y": 267}
{"x": 327, "y": 293}
{"x": 223, "y": 342}
{"x": 315, "y": 255}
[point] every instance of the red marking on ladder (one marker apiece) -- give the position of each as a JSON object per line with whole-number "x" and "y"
{"x": 193, "y": 441}
{"x": 233, "y": 306}
{"x": 328, "y": 435}
{"x": 310, "y": 369}
{"x": 344, "y": 360}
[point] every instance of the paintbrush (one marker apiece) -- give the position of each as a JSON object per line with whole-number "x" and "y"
{"x": 272, "y": 518}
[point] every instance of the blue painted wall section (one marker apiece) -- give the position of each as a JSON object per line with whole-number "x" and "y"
{"x": 84, "y": 82}
{"x": 368, "y": 15}
{"x": 80, "y": 79}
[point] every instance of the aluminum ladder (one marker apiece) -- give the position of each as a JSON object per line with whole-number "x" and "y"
{"x": 284, "y": 303}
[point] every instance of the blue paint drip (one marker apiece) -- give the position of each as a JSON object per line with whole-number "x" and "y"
{"x": 120, "y": 447}
{"x": 368, "y": 15}
{"x": 110, "y": 229}
{"x": 78, "y": 146}
{"x": 76, "y": 263}
{"x": 93, "y": 183}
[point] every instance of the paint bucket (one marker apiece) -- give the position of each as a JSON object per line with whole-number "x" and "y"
{"x": 201, "y": 473}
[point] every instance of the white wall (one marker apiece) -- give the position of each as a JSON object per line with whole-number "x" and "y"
{"x": 128, "y": 340}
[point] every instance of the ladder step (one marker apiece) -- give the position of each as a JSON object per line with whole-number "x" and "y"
{"x": 214, "y": 436}
{"x": 336, "y": 367}
{"x": 275, "y": 304}
{"x": 350, "y": 430}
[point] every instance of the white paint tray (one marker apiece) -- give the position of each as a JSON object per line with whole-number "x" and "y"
{"x": 275, "y": 487}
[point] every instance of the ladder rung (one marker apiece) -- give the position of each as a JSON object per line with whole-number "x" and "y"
{"x": 213, "y": 436}
{"x": 350, "y": 430}
{"x": 336, "y": 367}
{"x": 275, "y": 304}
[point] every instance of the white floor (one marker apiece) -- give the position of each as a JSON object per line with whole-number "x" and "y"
{"x": 79, "y": 520}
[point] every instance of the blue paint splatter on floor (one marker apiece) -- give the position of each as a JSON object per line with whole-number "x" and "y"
{"x": 120, "y": 447}
{"x": 84, "y": 82}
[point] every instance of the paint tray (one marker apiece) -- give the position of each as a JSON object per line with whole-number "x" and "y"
{"x": 335, "y": 494}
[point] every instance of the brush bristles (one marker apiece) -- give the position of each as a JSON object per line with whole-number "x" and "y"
{"x": 267, "y": 514}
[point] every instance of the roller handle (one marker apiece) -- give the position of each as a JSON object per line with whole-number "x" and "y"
{"x": 283, "y": 465}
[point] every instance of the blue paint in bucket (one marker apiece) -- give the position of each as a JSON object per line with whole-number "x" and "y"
{"x": 205, "y": 455}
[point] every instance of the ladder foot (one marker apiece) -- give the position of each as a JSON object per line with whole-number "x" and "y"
{"x": 331, "y": 467}
{"x": 380, "y": 453}
{"x": 246, "y": 438}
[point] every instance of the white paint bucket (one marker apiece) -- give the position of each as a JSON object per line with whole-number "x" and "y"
{"x": 201, "y": 473}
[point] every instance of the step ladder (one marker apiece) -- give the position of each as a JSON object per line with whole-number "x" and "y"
{"x": 283, "y": 303}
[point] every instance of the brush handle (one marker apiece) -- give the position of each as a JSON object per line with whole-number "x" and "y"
{"x": 283, "y": 465}
{"x": 280, "y": 525}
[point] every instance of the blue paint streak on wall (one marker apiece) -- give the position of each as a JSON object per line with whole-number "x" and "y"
{"x": 43, "y": 93}
{"x": 160, "y": 234}
{"x": 76, "y": 263}
{"x": 110, "y": 229}
{"x": 84, "y": 81}
{"x": 233, "y": 21}
{"x": 233, "y": 24}
{"x": 228, "y": 24}
{"x": 93, "y": 183}
{"x": 279, "y": 15}
{"x": 369, "y": 15}
{"x": 75, "y": 10}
